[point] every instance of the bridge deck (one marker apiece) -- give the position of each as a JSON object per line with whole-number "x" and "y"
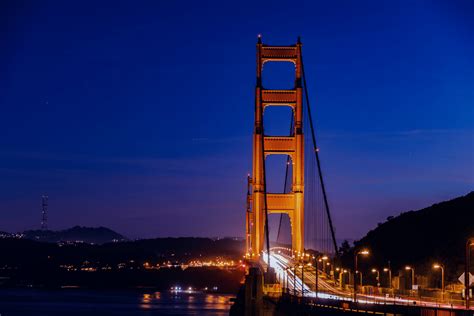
{"x": 303, "y": 287}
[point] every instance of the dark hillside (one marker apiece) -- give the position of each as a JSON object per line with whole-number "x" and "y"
{"x": 96, "y": 235}
{"x": 435, "y": 233}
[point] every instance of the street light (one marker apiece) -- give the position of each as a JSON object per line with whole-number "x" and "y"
{"x": 412, "y": 275}
{"x": 302, "y": 280}
{"x": 283, "y": 279}
{"x": 336, "y": 269}
{"x": 318, "y": 258}
{"x": 322, "y": 258}
{"x": 328, "y": 264}
{"x": 389, "y": 276}
{"x": 302, "y": 276}
{"x": 288, "y": 279}
{"x": 341, "y": 274}
{"x": 440, "y": 266}
{"x": 332, "y": 270}
{"x": 378, "y": 276}
{"x": 360, "y": 279}
{"x": 294, "y": 281}
{"x": 363, "y": 252}
{"x": 469, "y": 244}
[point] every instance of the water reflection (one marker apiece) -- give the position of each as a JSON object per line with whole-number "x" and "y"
{"x": 186, "y": 301}
{"x": 209, "y": 299}
{"x": 217, "y": 301}
{"x": 146, "y": 298}
{"x": 100, "y": 303}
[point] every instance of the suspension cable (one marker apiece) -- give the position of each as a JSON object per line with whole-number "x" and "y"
{"x": 288, "y": 160}
{"x": 328, "y": 213}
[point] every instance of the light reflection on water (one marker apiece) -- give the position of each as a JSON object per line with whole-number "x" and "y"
{"x": 146, "y": 298}
{"x": 188, "y": 301}
{"x": 94, "y": 303}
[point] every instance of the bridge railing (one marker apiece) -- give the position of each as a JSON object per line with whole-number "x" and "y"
{"x": 321, "y": 304}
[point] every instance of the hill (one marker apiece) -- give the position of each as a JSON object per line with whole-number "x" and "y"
{"x": 128, "y": 264}
{"x": 436, "y": 233}
{"x": 95, "y": 235}
{"x": 25, "y": 252}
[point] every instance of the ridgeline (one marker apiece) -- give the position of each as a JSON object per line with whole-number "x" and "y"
{"x": 434, "y": 234}
{"x": 95, "y": 235}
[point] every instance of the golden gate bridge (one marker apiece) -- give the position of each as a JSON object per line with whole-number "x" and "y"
{"x": 304, "y": 192}
{"x": 303, "y": 268}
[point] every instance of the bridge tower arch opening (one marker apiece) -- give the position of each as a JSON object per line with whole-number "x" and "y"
{"x": 279, "y": 171}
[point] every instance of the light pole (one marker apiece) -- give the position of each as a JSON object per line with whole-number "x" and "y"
{"x": 322, "y": 258}
{"x": 302, "y": 276}
{"x": 348, "y": 276}
{"x": 469, "y": 243}
{"x": 360, "y": 279}
{"x": 412, "y": 275}
{"x": 440, "y": 266}
{"x": 302, "y": 280}
{"x": 288, "y": 279}
{"x": 341, "y": 274}
{"x": 389, "y": 276}
{"x": 356, "y": 254}
{"x": 378, "y": 276}
{"x": 328, "y": 264}
{"x": 333, "y": 270}
{"x": 316, "y": 282}
{"x": 294, "y": 281}
{"x": 283, "y": 279}
{"x": 317, "y": 259}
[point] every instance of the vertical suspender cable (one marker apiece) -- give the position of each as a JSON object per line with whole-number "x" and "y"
{"x": 317, "y": 159}
{"x": 288, "y": 160}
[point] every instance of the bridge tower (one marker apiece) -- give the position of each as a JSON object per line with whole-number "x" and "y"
{"x": 291, "y": 203}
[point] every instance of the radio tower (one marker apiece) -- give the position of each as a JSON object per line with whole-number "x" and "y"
{"x": 44, "y": 212}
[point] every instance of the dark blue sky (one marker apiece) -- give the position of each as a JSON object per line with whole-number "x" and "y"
{"x": 138, "y": 115}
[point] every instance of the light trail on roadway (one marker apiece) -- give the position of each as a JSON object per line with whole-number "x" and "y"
{"x": 284, "y": 269}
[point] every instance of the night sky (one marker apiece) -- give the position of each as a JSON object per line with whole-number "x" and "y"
{"x": 138, "y": 115}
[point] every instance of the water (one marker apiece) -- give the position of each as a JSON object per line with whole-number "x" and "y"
{"x": 75, "y": 302}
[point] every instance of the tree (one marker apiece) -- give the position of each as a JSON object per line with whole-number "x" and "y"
{"x": 345, "y": 248}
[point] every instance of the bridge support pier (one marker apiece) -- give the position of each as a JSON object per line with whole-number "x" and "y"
{"x": 254, "y": 292}
{"x": 253, "y": 303}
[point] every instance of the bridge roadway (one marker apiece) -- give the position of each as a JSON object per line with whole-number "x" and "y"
{"x": 328, "y": 289}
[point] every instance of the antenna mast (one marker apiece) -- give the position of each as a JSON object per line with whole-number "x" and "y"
{"x": 44, "y": 212}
